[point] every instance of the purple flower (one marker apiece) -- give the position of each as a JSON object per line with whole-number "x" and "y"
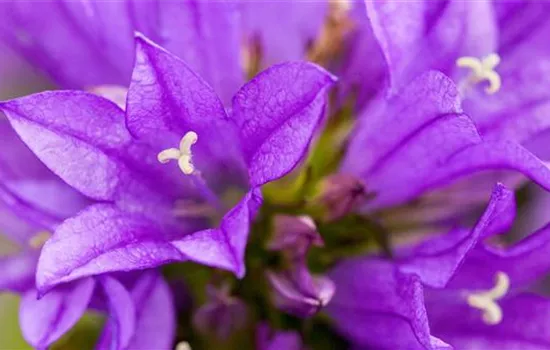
{"x": 457, "y": 288}
{"x": 140, "y": 220}
{"x": 494, "y": 51}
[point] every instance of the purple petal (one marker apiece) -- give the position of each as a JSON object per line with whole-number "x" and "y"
{"x": 524, "y": 324}
{"x": 436, "y": 260}
{"x": 104, "y": 238}
{"x": 101, "y": 239}
{"x": 206, "y": 35}
{"x": 425, "y": 100}
{"x": 389, "y": 304}
{"x": 72, "y": 32}
{"x": 524, "y": 262}
{"x": 66, "y": 130}
{"x": 431, "y": 149}
{"x": 46, "y": 320}
{"x": 156, "y": 319}
{"x": 284, "y": 28}
{"x": 426, "y": 39}
{"x": 230, "y": 238}
{"x": 277, "y": 114}
{"x": 167, "y": 99}
{"x": 18, "y": 271}
{"x": 27, "y": 186}
{"x": 121, "y": 324}
{"x": 397, "y": 39}
{"x": 267, "y": 339}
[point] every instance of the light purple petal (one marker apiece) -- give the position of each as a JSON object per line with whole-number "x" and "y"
{"x": 156, "y": 318}
{"x": 121, "y": 324}
{"x": 387, "y": 127}
{"x": 27, "y": 185}
{"x": 46, "y": 320}
{"x": 433, "y": 34}
{"x": 267, "y": 339}
{"x": 207, "y": 35}
{"x": 284, "y": 28}
{"x": 524, "y": 262}
{"x": 436, "y": 260}
{"x": 167, "y": 99}
{"x": 524, "y": 324}
{"x": 383, "y": 310}
{"x": 101, "y": 239}
{"x": 104, "y": 238}
{"x": 230, "y": 238}
{"x": 18, "y": 271}
{"x": 72, "y": 32}
{"x": 73, "y": 133}
{"x": 277, "y": 114}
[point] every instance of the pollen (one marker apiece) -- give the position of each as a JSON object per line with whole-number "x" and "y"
{"x": 483, "y": 70}
{"x": 183, "y": 155}
{"x": 486, "y": 300}
{"x": 38, "y": 240}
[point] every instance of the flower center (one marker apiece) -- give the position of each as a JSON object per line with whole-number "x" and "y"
{"x": 38, "y": 240}
{"x": 485, "y": 300}
{"x": 183, "y": 155}
{"x": 482, "y": 70}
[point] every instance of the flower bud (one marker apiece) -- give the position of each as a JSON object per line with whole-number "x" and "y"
{"x": 340, "y": 194}
{"x": 221, "y": 315}
{"x": 294, "y": 234}
{"x": 299, "y": 293}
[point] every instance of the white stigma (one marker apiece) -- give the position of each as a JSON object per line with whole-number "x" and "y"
{"x": 183, "y": 155}
{"x": 483, "y": 69}
{"x": 486, "y": 300}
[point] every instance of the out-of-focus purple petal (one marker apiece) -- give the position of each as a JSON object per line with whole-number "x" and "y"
{"x": 121, "y": 324}
{"x": 18, "y": 271}
{"x": 283, "y": 28}
{"x": 277, "y": 114}
{"x": 167, "y": 99}
{"x": 397, "y": 39}
{"x": 46, "y": 320}
{"x": 267, "y": 339}
{"x": 222, "y": 315}
{"x": 155, "y": 313}
{"x": 524, "y": 324}
{"x": 436, "y": 260}
{"x": 86, "y": 33}
{"x": 387, "y": 303}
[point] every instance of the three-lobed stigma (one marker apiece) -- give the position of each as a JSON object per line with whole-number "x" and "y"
{"x": 183, "y": 155}
{"x": 483, "y": 70}
{"x": 486, "y": 300}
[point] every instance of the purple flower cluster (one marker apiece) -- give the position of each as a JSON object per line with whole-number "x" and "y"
{"x": 276, "y": 175}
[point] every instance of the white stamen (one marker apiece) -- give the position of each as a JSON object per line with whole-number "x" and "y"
{"x": 485, "y": 300}
{"x": 183, "y": 346}
{"x": 183, "y": 155}
{"x": 483, "y": 69}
